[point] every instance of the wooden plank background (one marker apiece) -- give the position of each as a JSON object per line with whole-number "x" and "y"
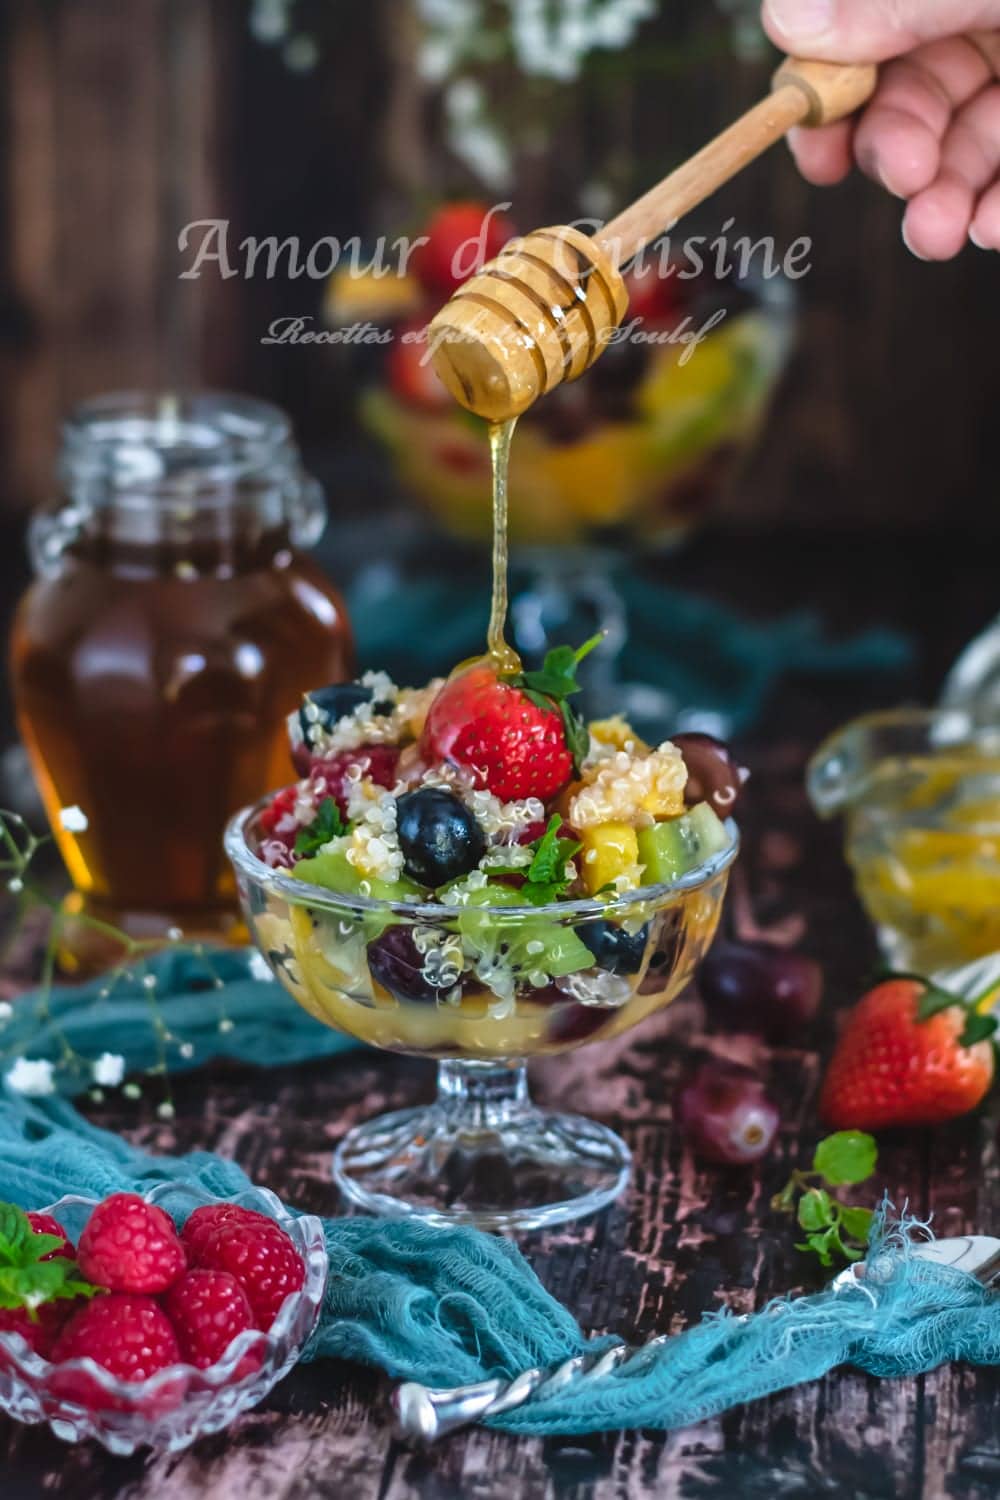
{"x": 124, "y": 119}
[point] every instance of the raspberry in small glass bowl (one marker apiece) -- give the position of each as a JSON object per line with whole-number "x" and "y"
{"x": 179, "y": 1404}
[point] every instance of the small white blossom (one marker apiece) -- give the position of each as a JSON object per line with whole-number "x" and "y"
{"x": 74, "y": 819}
{"x": 166, "y": 1110}
{"x": 226, "y": 1024}
{"x": 174, "y": 934}
{"x": 186, "y": 1049}
{"x": 6, "y": 1011}
{"x": 109, "y": 1069}
{"x": 132, "y": 1091}
{"x": 15, "y": 885}
{"x": 260, "y": 968}
{"x": 31, "y": 1077}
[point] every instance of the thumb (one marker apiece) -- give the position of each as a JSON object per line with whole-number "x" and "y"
{"x": 871, "y": 30}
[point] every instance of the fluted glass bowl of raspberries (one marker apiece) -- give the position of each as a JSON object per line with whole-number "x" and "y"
{"x": 469, "y": 872}
{"x": 152, "y": 1320}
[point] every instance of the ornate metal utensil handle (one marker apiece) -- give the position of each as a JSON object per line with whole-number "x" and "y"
{"x": 423, "y": 1415}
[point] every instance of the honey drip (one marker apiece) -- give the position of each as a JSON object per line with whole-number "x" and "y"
{"x": 504, "y": 657}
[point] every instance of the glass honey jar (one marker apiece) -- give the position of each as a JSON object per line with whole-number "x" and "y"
{"x": 172, "y": 625}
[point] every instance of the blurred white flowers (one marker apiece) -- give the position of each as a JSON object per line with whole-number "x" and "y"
{"x": 109, "y": 1070}
{"x": 74, "y": 819}
{"x": 31, "y": 1078}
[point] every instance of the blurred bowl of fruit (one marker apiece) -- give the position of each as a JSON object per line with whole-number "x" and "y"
{"x": 637, "y": 453}
{"x": 919, "y": 790}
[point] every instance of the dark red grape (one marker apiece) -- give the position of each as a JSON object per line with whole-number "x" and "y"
{"x": 398, "y": 966}
{"x": 758, "y": 988}
{"x": 725, "y": 1114}
{"x": 714, "y": 775}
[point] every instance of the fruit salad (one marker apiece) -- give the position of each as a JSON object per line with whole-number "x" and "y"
{"x": 483, "y": 874}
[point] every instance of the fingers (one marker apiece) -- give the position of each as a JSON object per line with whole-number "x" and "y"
{"x": 939, "y": 219}
{"x": 823, "y": 155}
{"x": 985, "y": 228}
{"x": 871, "y": 30}
{"x": 898, "y": 141}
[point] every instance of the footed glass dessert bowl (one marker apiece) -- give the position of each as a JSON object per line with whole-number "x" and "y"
{"x": 467, "y": 871}
{"x": 481, "y": 988}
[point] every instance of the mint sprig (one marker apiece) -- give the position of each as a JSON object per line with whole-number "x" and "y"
{"x": 26, "y": 1278}
{"x": 554, "y": 684}
{"x": 546, "y": 878}
{"x": 327, "y": 824}
{"x": 834, "y": 1231}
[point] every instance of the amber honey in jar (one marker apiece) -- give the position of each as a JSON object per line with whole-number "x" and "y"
{"x": 173, "y": 623}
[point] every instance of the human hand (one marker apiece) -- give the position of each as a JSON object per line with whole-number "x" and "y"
{"x": 931, "y": 135}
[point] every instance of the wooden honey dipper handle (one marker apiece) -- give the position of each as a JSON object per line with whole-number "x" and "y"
{"x": 803, "y": 93}
{"x": 541, "y": 312}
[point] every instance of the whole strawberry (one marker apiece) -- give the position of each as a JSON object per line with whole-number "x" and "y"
{"x": 909, "y": 1054}
{"x": 262, "y": 1259}
{"x": 130, "y": 1337}
{"x": 208, "y": 1309}
{"x": 517, "y": 734}
{"x": 129, "y": 1245}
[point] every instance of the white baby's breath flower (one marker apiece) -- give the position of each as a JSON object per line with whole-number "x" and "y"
{"x": 226, "y": 1024}
{"x": 74, "y": 819}
{"x": 109, "y": 1070}
{"x": 186, "y": 1049}
{"x": 31, "y": 1077}
{"x": 166, "y": 1110}
{"x": 15, "y": 885}
{"x": 6, "y": 1011}
{"x": 259, "y": 968}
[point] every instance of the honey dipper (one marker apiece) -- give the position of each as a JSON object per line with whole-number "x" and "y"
{"x": 544, "y": 309}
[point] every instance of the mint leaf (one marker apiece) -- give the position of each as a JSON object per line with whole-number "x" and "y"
{"x": 555, "y": 682}
{"x": 856, "y": 1222}
{"x": 15, "y": 1231}
{"x": 546, "y": 878}
{"x": 848, "y": 1156}
{"x": 41, "y": 1245}
{"x": 327, "y": 824}
{"x": 824, "y": 1244}
{"x": 816, "y": 1209}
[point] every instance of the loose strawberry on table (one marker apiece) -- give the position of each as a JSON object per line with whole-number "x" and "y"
{"x": 909, "y": 1054}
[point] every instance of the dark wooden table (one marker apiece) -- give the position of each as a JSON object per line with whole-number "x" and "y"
{"x": 686, "y": 1239}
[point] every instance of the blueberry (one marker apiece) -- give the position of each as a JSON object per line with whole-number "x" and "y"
{"x": 397, "y": 965}
{"x": 616, "y": 950}
{"x": 334, "y": 702}
{"x": 438, "y": 835}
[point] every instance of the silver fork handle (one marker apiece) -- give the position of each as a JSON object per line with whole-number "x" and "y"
{"x": 422, "y": 1414}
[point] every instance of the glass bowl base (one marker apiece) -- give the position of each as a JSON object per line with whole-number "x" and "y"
{"x": 522, "y": 1170}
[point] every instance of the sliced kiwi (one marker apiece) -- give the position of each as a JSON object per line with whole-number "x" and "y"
{"x": 526, "y": 945}
{"x": 671, "y": 848}
{"x": 334, "y": 871}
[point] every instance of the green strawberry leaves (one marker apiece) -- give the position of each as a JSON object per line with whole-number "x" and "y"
{"x": 553, "y": 685}
{"x": 546, "y": 878}
{"x": 26, "y": 1279}
{"x": 327, "y": 824}
{"x": 979, "y": 1026}
{"x": 834, "y": 1231}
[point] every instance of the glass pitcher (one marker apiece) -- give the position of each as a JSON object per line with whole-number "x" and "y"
{"x": 920, "y": 793}
{"x": 172, "y": 626}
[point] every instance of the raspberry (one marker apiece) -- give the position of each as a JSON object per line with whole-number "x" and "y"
{"x": 203, "y": 1223}
{"x": 46, "y": 1224}
{"x": 263, "y": 1260}
{"x": 130, "y": 1246}
{"x": 130, "y": 1337}
{"x": 40, "y": 1332}
{"x": 329, "y": 777}
{"x": 208, "y": 1309}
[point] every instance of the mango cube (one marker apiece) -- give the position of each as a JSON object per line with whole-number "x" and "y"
{"x": 610, "y": 850}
